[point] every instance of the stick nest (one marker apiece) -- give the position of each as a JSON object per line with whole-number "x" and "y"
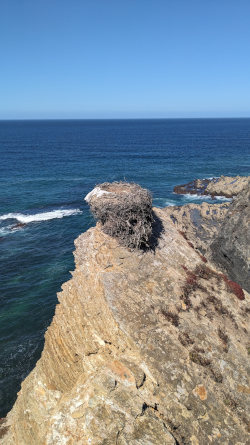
{"x": 125, "y": 213}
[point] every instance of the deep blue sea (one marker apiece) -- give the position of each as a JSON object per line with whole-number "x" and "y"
{"x": 46, "y": 169}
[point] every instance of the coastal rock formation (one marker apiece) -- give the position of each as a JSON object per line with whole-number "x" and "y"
{"x": 231, "y": 247}
{"x": 144, "y": 348}
{"x": 220, "y": 232}
{"x": 198, "y": 223}
{"x": 223, "y": 186}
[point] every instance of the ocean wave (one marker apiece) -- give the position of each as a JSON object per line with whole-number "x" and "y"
{"x": 212, "y": 177}
{"x": 6, "y": 230}
{"x": 195, "y": 196}
{"x": 163, "y": 202}
{"x": 44, "y": 216}
{"x": 222, "y": 198}
{"x": 192, "y": 196}
{"x": 169, "y": 203}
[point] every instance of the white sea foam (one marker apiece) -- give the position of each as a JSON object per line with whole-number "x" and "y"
{"x": 212, "y": 177}
{"x": 5, "y": 231}
{"x": 194, "y": 196}
{"x": 223, "y": 198}
{"x": 163, "y": 202}
{"x": 45, "y": 216}
{"x": 169, "y": 204}
{"x": 204, "y": 197}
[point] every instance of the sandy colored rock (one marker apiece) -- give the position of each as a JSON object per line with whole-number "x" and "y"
{"x": 227, "y": 186}
{"x": 144, "y": 348}
{"x": 198, "y": 223}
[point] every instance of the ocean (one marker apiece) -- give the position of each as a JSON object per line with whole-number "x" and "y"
{"x": 46, "y": 169}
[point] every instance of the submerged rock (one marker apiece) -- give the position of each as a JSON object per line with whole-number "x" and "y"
{"x": 144, "y": 348}
{"x": 18, "y": 226}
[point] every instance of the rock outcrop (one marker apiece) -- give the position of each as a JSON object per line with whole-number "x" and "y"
{"x": 231, "y": 247}
{"x": 144, "y": 348}
{"x": 223, "y": 186}
{"x": 198, "y": 223}
{"x": 220, "y": 232}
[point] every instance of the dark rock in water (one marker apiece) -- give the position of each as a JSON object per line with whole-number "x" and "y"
{"x": 230, "y": 249}
{"x": 198, "y": 186}
{"x": 226, "y": 186}
{"x": 18, "y": 226}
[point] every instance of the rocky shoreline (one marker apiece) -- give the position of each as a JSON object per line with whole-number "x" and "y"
{"x": 147, "y": 346}
{"x": 226, "y": 186}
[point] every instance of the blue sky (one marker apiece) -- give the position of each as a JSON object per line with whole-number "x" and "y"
{"x": 124, "y": 58}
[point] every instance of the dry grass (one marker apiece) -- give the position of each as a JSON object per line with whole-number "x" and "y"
{"x": 125, "y": 213}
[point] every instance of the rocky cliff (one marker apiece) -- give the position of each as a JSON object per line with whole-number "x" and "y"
{"x": 198, "y": 223}
{"x": 231, "y": 246}
{"x": 146, "y": 347}
{"x": 220, "y": 232}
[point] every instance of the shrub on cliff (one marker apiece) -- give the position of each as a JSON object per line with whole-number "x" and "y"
{"x": 124, "y": 211}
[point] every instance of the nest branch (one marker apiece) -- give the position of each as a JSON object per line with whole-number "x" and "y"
{"x": 125, "y": 212}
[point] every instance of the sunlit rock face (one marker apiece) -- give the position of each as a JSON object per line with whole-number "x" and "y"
{"x": 198, "y": 223}
{"x": 146, "y": 347}
{"x": 227, "y": 186}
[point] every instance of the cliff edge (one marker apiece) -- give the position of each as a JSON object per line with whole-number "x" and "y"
{"x": 146, "y": 347}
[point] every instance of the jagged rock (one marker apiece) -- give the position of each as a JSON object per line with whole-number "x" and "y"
{"x": 228, "y": 186}
{"x": 144, "y": 348}
{"x": 224, "y": 186}
{"x": 198, "y": 223}
{"x": 231, "y": 247}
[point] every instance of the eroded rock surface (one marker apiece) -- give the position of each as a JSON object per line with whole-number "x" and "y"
{"x": 231, "y": 247}
{"x": 227, "y": 186}
{"x": 198, "y": 223}
{"x": 144, "y": 348}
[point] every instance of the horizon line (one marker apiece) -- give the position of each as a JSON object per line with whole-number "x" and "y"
{"x": 120, "y": 118}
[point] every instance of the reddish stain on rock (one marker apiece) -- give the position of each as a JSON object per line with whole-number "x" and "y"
{"x": 201, "y": 391}
{"x": 203, "y": 258}
{"x": 122, "y": 371}
{"x": 234, "y": 287}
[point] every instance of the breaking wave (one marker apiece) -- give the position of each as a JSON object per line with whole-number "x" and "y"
{"x": 44, "y": 216}
{"x": 193, "y": 196}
